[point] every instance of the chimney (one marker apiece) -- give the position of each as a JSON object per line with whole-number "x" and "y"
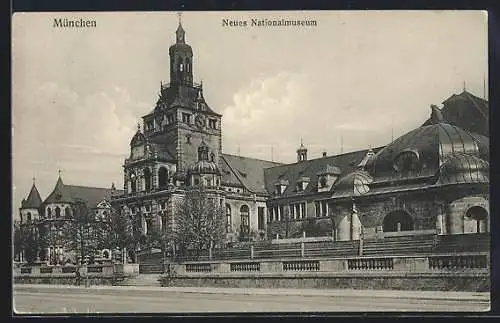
{"x": 324, "y": 154}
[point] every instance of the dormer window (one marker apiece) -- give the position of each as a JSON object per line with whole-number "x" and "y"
{"x": 280, "y": 186}
{"x": 302, "y": 184}
{"x": 212, "y": 124}
{"x": 322, "y": 181}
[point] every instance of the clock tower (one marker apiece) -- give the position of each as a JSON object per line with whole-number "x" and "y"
{"x": 181, "y": 120}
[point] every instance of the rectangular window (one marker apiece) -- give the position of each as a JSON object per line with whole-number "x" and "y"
{"x": 280, "y": 212}
{"x": 317, "y": 208}
{"x": 324, "y": 208}
{"x": 260, "y": 224}
{"x": 186, "y": 118}
{"x": 170, "y": 119}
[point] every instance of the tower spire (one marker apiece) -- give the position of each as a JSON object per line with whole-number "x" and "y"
{"x": 465, "y": 88}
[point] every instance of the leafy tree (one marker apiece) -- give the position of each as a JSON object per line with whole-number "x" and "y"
{"x": 82, "y": 233}
{"x": 200, "y": 222}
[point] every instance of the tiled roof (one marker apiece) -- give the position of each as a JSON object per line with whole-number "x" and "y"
{"x": 34, "y": 200}
{"x": 466, "y": 111}
{"x": 70, "y": 193}
{"x": 310, "y": 168}
{"x": 246, "y": 172}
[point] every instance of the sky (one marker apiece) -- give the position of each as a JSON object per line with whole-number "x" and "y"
{"x": 357, "y": 79}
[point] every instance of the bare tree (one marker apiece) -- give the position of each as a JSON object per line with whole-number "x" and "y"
{"x": 119, "y": 231}
{"x": 82, "y": 233}
{"x": 200, "y": 222}
{"x": 26, "y": 239}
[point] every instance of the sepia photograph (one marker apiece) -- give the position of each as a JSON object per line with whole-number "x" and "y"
{"x": 250, "y": 162}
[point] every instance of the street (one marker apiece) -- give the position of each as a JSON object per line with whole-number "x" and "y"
{"x": 65, "y": 299}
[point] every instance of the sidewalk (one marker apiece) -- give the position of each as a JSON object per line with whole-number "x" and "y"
{"x": 401, "y": 294}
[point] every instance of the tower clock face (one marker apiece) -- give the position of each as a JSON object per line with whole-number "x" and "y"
{"x": 199, "y": 121}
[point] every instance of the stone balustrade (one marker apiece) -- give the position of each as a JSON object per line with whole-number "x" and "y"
{"x": 402, "y": 264}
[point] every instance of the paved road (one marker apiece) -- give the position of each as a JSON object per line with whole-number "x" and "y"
{"x": 64, "y": 299}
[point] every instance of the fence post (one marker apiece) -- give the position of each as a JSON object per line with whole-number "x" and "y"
{"x": 251, "y": 252}
{"x": 302, "y": 249}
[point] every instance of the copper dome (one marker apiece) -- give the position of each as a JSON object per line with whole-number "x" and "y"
{"x": 421, "y": 152}
{"x": 203, "y": 167}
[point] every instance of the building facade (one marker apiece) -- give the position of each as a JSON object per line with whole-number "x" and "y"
{"x": 47, "y": 218}
{"x": 434, "y": 178}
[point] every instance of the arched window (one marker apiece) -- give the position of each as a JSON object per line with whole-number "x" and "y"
{"x": 228, "y": 218}
{"x": 105, "y": 215}
{"x": 188, "y": 64}
{"x": 245, "y": 219}
{"x": 49, "y": 213}
{"x": 67, "y": 212}
{"x": 58, "y": 212}
{"x": 180, "y": 64}
{"x": 480, "y": 216}
{"x": 397, "y": 221}
{"x": 407, "y": 163}
{"x": 162, "y": 177}
{"x": 29, "y": 217}
{"x": 147, "y": 179}
{"x": 133, "y": 183}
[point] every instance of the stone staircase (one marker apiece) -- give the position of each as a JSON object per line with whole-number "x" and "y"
{"x": 471, "y": 242}
{"x": 142, "y": 280}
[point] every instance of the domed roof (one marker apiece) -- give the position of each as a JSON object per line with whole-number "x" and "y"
{"x": 464, "y": 168}
{"x": 422, "y": 151}
{"x": 203, "y": 167}
{"x": 138, "y": 138}
{"x": 352, "y": 184}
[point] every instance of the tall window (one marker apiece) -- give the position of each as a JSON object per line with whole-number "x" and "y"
{"x": 67, "y": 212}
{"x": 228, "y": 218}
{"x": 245, "y": 219}
{"x": 162, "y": 177}
{"x": 261, "y": 218}
{"x": 147, "y": 179}
{"x": 321, "y": 208}
{"x": 29, "y": 217}
{"x": 58, "y": 212}
{"x": 49, "y": 213}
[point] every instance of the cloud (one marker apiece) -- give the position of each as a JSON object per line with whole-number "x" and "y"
{"x": 54, "y": 127}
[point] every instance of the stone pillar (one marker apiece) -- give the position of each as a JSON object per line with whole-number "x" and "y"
{"x": 440, "y": 227}
{"x": 144, "y": 225}
{"x": 356, "y": 227}
{"x": 344, "y": 229}
{"x": 483, "y": 225}
{"x": 302, "y": 250}
{"x": 251, "y": 252}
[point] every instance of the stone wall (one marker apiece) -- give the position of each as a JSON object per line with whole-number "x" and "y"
{"x": 398, "y": 281}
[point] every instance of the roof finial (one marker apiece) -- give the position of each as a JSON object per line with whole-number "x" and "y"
{"x": 180, "y": 18}
{"x": 138, "y": 126}
{"x": 59, "y": 172}
{"x": 465, "y": 88}
{"x": 34, "y": 180}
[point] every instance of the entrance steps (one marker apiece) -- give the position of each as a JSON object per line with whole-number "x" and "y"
{"x": 142, "y": 280}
